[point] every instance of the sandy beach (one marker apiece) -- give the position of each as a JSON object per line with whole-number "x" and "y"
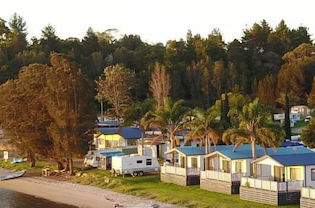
{"x": 75, "y": 194}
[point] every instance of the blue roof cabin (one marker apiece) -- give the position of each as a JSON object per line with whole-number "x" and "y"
{"x": 116, "y": 137}
{"x": 184, "y": 164}
{"x": 224, "y": 168}
{"x": 280, "y": 177}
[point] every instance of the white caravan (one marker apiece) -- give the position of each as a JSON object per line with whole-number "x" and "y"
{"x": 93, "y": 157}
{"x": 134, "y": 164}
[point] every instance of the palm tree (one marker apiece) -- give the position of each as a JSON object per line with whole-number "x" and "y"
{"x": 255, "y": 126}
{"x": 169, "y": 118}
{"x": 136, "y": 112}
{"x": 203, "y": 127}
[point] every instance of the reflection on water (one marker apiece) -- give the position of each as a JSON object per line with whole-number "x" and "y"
{"x": 11, "y": 199}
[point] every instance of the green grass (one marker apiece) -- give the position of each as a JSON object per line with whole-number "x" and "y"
{"x": 25, "y": 166}
{"x": 300, "y": 124}
{"x": 151, "y": 187}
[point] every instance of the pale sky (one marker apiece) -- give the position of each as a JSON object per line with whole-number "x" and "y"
{"x": 158, "y": 20}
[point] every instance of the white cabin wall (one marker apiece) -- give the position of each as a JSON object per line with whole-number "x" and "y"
{"x": 268, "y": 162}
{"x": 201, "y": 162}
{"x": 247, "y": 166}
{"x": 308, "y": 175}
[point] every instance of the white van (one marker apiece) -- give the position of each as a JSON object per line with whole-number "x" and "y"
{"x": 136, "y": 165}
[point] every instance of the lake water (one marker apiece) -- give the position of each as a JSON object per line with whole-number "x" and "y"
{"x": 11, "y": 199}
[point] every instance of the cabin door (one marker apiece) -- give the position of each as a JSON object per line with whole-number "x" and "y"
{"x": 182, "y": 161}
{"x": 278, "y": 173}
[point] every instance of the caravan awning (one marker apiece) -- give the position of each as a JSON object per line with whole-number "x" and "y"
{"x": 111, "y": 154}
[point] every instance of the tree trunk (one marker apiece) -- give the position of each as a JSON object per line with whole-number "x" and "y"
{"x": 265, "y": 150}
{"x": 71, "y": 168}
{"x": 32, "y": 160}
{"x": 253, "y": 146}
{"x": 206, "y": 145}
{"x": 67, "y": 168}
{"x": 60, "y": 165}
{"x": 287, "y": 125}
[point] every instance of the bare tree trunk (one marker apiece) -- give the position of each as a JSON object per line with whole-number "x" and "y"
{"x": 265, "y": 150}
{"x": 67, "y": 168}
{"x": 60, "y": 165}
{"x": 210, "y": 143}
{"x": 253, "y": 146}
{"x": 31, "y": 157}
{"x": 206, "y": 145}
{"x": 71, "y": 168}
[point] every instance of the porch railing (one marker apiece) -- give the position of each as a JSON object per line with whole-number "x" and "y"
{"x": 308, "y": 192}
{"x": 222, "y": 176}
{"x": 180, "y": 171}
{"x": 271, "y": 185}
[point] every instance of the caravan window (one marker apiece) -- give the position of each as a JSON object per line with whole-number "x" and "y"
{"x": 139, "y": 161}
{"x": 149, "y": 161}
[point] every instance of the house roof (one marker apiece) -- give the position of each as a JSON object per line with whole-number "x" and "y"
{"x": 295, "y": 159}
{"x": 245, "y": 151}
{"x": 126, "y": 132}
{"x": 193, "y": 150}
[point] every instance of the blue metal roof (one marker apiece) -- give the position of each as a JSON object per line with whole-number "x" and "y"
{"x": 111, "y": 154}
{"x": 291, "y": 143}
{"x": 295, "y": 159}
{"x": 245, "y": 151}
{"x": 126, "y": 132}
{"x": 193, "y": 150}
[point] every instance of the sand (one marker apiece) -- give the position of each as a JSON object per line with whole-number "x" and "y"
{"x": 75, "y": 194}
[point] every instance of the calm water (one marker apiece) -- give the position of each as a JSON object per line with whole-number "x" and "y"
{"x": 11, "y": 199}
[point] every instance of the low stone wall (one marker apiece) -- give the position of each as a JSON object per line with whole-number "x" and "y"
{"x": 307, "y": 203}
{"x": 220, "y": 186}
{"x": 180, "y": 180}
{"x": 270, "y": 197}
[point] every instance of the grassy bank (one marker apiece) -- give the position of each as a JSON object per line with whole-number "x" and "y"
{"x": 151, "y": 187}
{"x": 26, "y": 166}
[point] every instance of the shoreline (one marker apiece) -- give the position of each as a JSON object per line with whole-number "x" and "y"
{"x": 84, "y": 196}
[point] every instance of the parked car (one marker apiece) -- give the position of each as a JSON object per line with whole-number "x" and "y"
{"x": 135, "y": 165}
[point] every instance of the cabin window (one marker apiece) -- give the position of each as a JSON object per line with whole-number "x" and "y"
{"x": 139, "y": 161}
{"x": 149, "y": 161}
{"x": 278, "y": 173}
{"x": 194, "y": 162}
{"x": 210, "y": 163}
{"x": 226, "y": 166}
{"x": 258, "y": 170}
{"x": 313, "y": 174}
{"x": 238, "y": 167}
{"x": 295, "y": 174}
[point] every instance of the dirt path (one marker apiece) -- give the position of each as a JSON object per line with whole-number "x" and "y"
{"x": 75, "y": 194}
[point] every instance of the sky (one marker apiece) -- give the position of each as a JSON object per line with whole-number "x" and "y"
{"x": 158, "y": 20}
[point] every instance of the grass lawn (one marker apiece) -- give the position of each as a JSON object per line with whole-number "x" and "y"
{"x": 151, "y": 187}
{"x": 26, "y": 166}
{"x": 300, "y": 124}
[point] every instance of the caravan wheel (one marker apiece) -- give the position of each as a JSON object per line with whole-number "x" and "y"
{"x": 141, "y": 173}
{"x": 134, "y": 174}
